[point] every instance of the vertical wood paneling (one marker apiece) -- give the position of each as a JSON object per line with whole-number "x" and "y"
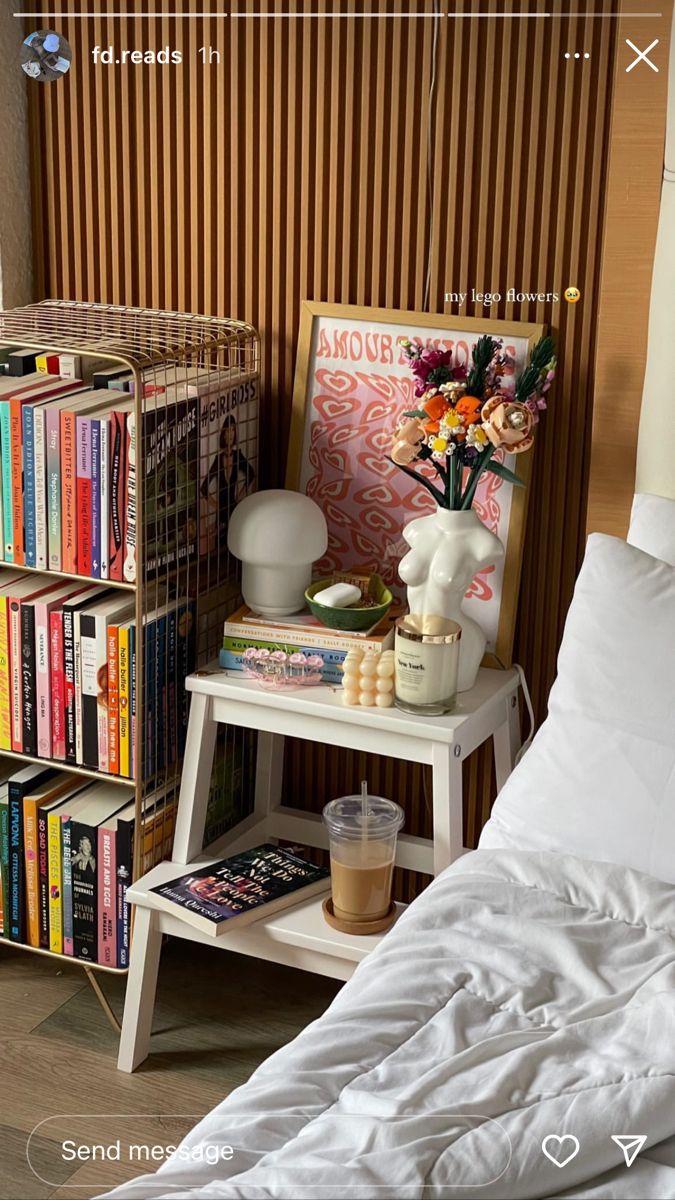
{"x": 297, "y": 168}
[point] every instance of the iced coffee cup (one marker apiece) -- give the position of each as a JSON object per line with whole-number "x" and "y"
{"x": 362, "y": 833}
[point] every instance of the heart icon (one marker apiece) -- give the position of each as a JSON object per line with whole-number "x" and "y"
{"x": 558, "y": 1156}
{"x": 337, "y": 382}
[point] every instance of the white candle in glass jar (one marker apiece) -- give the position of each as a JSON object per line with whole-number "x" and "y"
{"x": 427, "y": 664}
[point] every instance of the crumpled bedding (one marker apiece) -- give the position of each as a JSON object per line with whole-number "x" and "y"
{"x": 523, "y": 995}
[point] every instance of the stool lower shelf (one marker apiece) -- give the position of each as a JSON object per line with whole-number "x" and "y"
{"x": 298, "y": 936}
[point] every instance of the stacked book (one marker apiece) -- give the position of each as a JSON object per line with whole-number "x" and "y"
{"x": 68, "y": 687}
{"x": 66, "y": 854}
{"x": 69, "y": 451}
{"x": 301, "y": 633}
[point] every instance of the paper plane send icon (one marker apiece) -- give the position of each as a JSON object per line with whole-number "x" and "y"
{"x": 631, "y": 1145}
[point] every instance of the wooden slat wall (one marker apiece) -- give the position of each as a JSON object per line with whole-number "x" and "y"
{"x": 297, "y": 168}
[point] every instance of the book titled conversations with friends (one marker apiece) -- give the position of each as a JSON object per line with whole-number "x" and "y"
{"x": 238, "y": 890}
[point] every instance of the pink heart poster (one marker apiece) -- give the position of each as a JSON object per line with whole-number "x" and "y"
{"x": 352, "y": 385}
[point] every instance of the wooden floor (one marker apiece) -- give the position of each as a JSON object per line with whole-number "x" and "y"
{"x": 217, "y": 1017}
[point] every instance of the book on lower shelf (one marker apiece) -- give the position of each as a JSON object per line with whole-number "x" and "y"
{"x": 239, "y": 890}
{"x": 66, "y": 855}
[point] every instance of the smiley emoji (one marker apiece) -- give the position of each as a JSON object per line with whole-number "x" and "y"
{"x": 572, "y": 295}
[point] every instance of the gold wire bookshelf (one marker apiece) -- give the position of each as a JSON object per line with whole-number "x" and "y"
{"x": 195, "y": 387}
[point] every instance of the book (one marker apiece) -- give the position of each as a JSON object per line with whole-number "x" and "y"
{"x": 103, "y": 531}
{"x": 122, "y": 825}
{"x": 106, "y": 894}
{"x": 19, "y": 784}
{"x": 236, "y": 891}
{"x": 116, "y": 535}
{"x": 103, "y": 799}
{"x": 71, "y": 668}
{"x": 68, "y": 812}
{"x": 43, "y": 867}
{"x": 94, "y": 619}
{"x": 227, "y": 451}
{"x": 171, "y": 450}
{"x": 50, "y": 386}
{"x": 49, "y": 664}
{"x": 7, "y": 580}
{"x": 40, "y": 484}
{"x": 307, "y": 631}
{"x": 50, "y": 790}
{"x": 6, "y": 770}
{"x": 81, "y": 404}
{"x": 84, "y": 487}
{"x": 124, "y": 683}
{"x": 26, "y": 589}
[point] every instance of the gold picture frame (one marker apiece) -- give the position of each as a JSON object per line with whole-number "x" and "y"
{"x": 350, "y": 328}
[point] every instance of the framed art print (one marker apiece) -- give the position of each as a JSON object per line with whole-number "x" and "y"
{"x": 352, "y": 382}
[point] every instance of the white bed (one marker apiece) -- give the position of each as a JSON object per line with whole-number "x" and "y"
{"x": 530, "y": 991}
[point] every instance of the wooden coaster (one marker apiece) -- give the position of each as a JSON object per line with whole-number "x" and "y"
{"x": 358, "y": 927}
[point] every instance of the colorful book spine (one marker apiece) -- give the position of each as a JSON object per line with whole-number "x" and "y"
{"x": 28, "y": 508}
{"x": 5, "y": 692}
{"x": 67, "y": 878}
{"x": 77, "y": 648}
{"x": 106, "y": 898}
{"x": 43, "y": 879}
{"x": 55, "y": 882}
{"x": 43, "y": 691}
{"x": 15, "y": 673}
{"x": 69, "y": 676}
{"x": 104, "y": 497}
{"x": 118, "y": 446}
{"x": 16, "y": 456}
{"x": 124, "y": 702}
{"x": 68, "y": 431}
{"x": 96, "y": 498}
{"x": 40, "y": 471}
{"x": 31, "y": 866}
{"x": 47, "y": 364}
{"x": 113, "y": 701}
{"x": 58, "y": 685}
{"x": 132, "y": 701}
{"x": 84, "y": 488}
{"x": 4, "y": 862}
{"x": 17, "y": 928}
{"x": 130, "y": 513}
{"x": 2, "y": 516}
{"x": 29, "y": 680}
{"x": 151, "y": 660}
{"x": 88, "y": 689}
{"x": 171, "y": 697}
{"x": 83, "y": 854}
{"x": 53, "y": 439}
{"x": 124, "y": 855}
{"x": 5, "y": 451}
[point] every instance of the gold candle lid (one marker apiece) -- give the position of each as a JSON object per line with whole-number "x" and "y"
{"x": 433, "y": 631}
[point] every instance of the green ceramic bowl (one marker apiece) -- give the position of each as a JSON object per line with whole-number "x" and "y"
{"x": 352, "y": 620}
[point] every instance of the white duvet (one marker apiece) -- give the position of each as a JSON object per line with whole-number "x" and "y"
{"x": 523, "y": 995}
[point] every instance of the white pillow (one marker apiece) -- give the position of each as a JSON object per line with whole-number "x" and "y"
{"x": 599, "y": 778}
{"x": 652, "y": 526}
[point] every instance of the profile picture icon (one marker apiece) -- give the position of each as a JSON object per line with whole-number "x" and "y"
{"x": 45, "y": 56}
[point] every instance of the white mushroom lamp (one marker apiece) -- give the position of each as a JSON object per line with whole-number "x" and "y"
{"x": 277, "y": 535}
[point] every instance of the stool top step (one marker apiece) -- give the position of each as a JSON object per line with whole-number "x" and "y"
{"x": 325, "y": 702}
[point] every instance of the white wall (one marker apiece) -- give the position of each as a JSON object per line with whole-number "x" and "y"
{"x": 16, "y": 277}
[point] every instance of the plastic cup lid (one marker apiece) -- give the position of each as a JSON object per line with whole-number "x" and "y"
{"x": 344, "y": 817}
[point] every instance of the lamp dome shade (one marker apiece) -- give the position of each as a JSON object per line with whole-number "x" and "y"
{"x": 277, "y": 527}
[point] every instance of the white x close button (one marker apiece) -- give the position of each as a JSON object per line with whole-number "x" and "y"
{"x": 642, "y": 55}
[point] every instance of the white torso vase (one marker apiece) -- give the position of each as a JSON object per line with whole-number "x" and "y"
{"x": 446, "y": 550}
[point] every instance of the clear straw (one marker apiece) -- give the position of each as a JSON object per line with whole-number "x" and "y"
{"x": 364, "y": 810}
